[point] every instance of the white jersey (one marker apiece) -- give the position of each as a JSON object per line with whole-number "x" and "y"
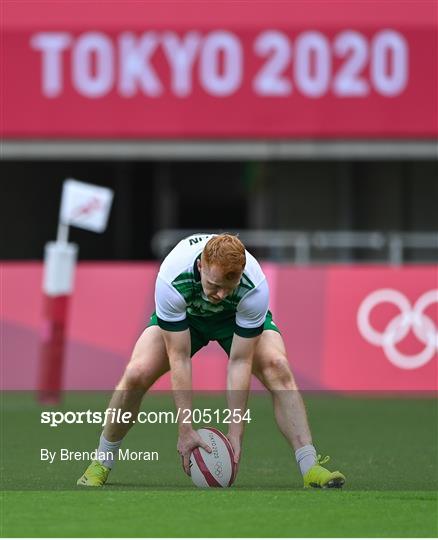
{"x": 179, "y": 294}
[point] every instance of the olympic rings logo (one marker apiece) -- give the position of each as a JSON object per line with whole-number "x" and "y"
{"x": 410, "y": 317}
{"x": 218, "y": 469}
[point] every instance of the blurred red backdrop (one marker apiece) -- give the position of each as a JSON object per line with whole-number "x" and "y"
{"x": 316, "y": 309}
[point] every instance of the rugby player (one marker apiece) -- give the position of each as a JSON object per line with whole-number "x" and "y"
{"x": 210, "y": 288}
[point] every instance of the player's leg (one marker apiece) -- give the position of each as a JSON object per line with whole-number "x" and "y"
{"x": 148, "y": 362}
{"x": 272, "y": 368}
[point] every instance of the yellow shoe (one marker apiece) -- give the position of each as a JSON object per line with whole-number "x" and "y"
{"x": 320, "y": 477}
{"x": 95, "y": 475}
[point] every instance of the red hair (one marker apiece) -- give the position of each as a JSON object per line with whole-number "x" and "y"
{"x": 227, "y": 252}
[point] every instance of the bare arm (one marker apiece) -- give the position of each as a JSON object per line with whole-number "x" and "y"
{"x": 238, "y": 383}
{"x": 178, "y": 351}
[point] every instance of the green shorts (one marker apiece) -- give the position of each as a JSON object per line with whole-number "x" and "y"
{"x": 205, "y": 329}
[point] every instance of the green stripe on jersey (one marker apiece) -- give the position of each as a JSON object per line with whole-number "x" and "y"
{"x": 248, "y": 332}
{"x": 248, "y": 282}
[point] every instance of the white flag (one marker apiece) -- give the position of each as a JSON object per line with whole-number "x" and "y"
{"x": 85, "y": 205}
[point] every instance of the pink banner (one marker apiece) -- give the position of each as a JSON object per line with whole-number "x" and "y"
{"x": 381, "y": 329}
{"x": 219, "y": 69}
{"x": 345, "y": 328}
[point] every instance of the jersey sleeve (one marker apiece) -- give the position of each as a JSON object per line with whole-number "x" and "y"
{"x": 170, "y": 306}
{"x": 251, "y": 311}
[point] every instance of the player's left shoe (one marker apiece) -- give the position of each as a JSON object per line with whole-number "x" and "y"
{"x": 95, "y": 475}
{"x": 320, "y": 477}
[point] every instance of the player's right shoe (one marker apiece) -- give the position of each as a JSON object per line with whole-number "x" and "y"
{"x": 95, "y": 475}
{"x": 320, "y": 477}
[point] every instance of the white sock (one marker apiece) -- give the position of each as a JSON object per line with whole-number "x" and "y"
{"x": 108, "y": 451}
{"x": 306, "y": 457}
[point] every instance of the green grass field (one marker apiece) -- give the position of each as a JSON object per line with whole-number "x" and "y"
{"x": 387, "y": 447}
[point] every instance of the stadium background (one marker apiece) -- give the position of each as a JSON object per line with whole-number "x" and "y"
{"x": 297, "y": 157}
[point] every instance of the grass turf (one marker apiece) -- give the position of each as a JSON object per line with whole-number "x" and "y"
{"x": 387, "y": 447}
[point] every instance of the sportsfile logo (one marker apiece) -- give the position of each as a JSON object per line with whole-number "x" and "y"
{"x": 112, "y": 415}
{"x": 411, "y": 318}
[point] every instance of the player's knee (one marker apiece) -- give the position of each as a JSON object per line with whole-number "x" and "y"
{"x": 277, "y": 373}
{"x": 136, "y": 376}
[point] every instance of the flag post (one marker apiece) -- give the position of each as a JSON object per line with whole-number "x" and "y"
{"x": 58, "y": 278}
{"x": 85, "y": 206}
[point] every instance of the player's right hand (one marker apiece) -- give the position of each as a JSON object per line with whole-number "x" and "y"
{"x": 188, "y": 440}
